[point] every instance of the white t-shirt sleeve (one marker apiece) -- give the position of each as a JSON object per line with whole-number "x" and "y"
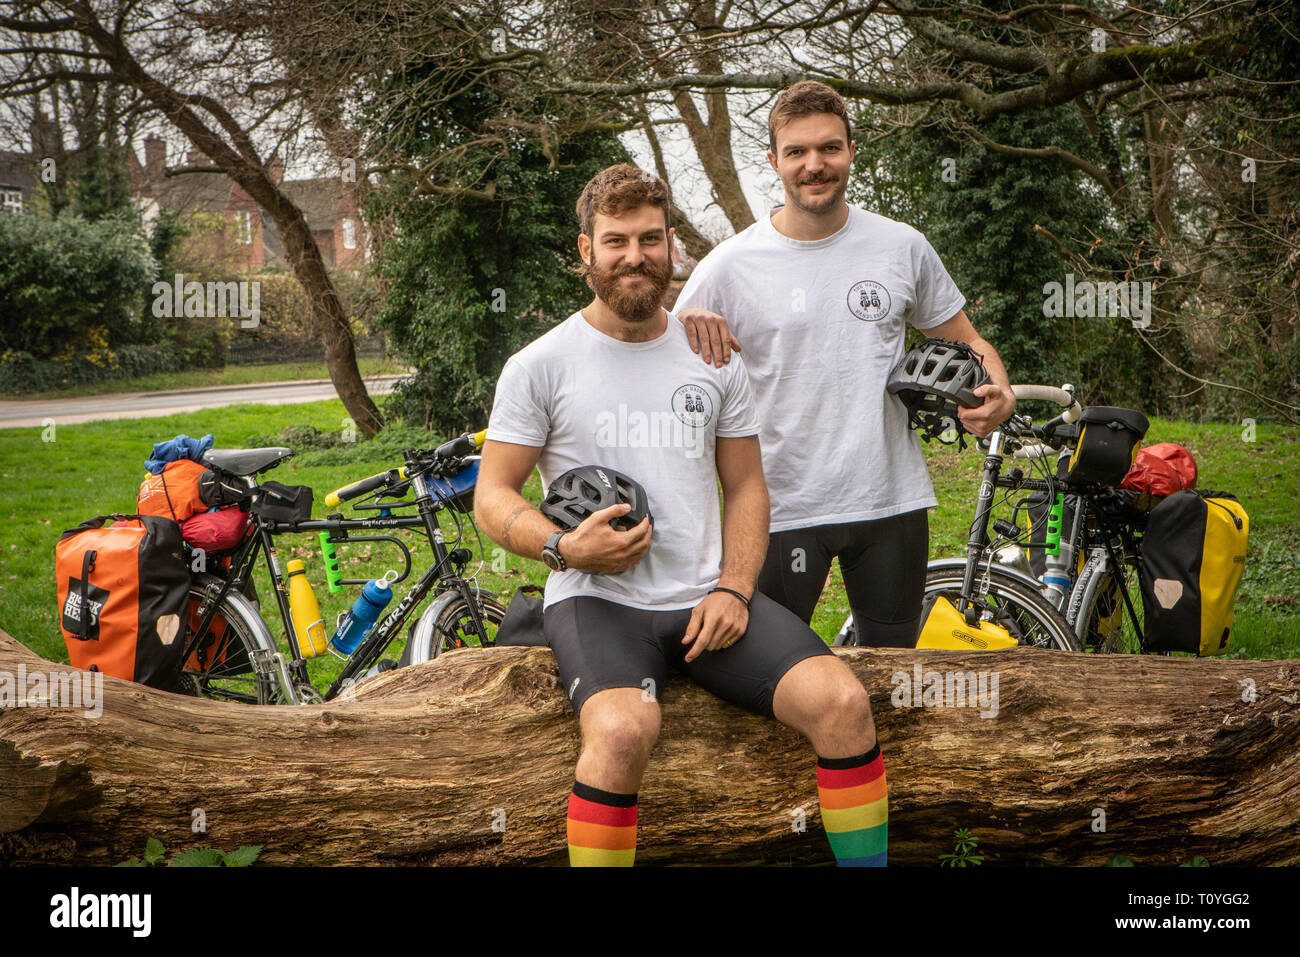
{"x": 704, "y": 289}
{"x": 937, "y": 296}
{"x": 739, "y": 416}
{"x": 519, "y": 411}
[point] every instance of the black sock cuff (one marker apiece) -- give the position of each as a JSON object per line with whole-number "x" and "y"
{"x": 845, "y": 764}
{"x": 597, "y": 796}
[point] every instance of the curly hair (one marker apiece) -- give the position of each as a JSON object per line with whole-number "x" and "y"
{"x": 616, "y": 190}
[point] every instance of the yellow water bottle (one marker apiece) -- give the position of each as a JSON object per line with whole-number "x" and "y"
{"x": 307, "y": 620}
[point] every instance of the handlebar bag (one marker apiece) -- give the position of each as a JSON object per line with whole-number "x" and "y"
{"x": 1108, "y": 445}
{"x": 122, "y": 592}
{"x": 283, "y": 503}
{"x": 1193, "y": 558}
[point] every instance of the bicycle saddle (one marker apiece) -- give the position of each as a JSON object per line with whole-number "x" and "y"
{"x": 244, "y": 462}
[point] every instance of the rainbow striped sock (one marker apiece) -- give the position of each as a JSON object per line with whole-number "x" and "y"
{"x": 855, "y": 808}
{"x": 602, "y": 827}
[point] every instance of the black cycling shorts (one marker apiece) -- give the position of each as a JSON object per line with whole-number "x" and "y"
{"x": 883, "y": 564}
{"x": 601, "y": 644}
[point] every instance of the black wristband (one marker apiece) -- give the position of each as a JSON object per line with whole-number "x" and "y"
{"x": 730, "y": 591}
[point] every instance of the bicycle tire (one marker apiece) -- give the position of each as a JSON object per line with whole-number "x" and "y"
{"x": 1022, "y": 610}
{"x": 453, "y": 629}
{"x": 225, "y": 668}
{"x": 1027, "y": 615}
{"x": 1102, "y": 622}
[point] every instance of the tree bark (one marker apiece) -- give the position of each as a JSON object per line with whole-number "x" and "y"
{"x": 426, "y": 760}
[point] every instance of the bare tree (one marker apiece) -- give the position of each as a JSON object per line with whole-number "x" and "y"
{"x": 213, "y": 80}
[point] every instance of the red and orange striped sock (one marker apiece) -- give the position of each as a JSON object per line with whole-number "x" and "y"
{"x": 855, "y": 808}
{"x": 602, "y": 827}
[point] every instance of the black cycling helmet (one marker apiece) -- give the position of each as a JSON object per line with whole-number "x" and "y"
{"x": 589, "y": 488}
{"x": 933, "y": 380}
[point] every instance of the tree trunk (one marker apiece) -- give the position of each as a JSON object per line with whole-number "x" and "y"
{"x": 242, "y": 164}
{"x": 470, "y": 759}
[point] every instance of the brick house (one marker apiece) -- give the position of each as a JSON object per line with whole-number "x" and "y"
{"x": 17, "y": 184}
{"x": 18, "y": 171}
{"x": 234, "y": 230}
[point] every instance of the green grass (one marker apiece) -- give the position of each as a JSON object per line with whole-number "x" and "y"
{"x": 95, "y": 468}
{"x": 230, "y": 375}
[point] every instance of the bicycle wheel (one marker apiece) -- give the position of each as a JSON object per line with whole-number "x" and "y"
{"x": 1015, "y": 605}
{"x": 226, "y": 666}
{"x": 1102, "y": 621}
{"x": 447, "y": 624}
{"x": 455, "y": 626}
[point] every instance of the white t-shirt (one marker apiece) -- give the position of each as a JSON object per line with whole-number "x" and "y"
{"x": 821, "y": 324}
{"x": 651, "y": 410}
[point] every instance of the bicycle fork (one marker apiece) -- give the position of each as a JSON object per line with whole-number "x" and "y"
{"x": 979, "y": 536}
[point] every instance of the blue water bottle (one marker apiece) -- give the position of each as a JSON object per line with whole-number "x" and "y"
{"x": 361, "y": 618}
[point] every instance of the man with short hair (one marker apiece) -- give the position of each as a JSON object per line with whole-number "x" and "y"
{"x": 616, "y": 385}
{"x": 820, "y": 293}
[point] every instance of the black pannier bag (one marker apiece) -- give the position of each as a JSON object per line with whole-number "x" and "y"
{"x": 283, "y": 503}
{"x": 522, "y": 622}
{"x": 1108, "y": 444}
{"x": 1193, "y": 559}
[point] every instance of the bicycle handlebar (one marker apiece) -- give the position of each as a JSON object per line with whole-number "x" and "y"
{"x": 459, "y": 447}
{"x": 337, "y": 496}
{"x": 1049, "y": 393}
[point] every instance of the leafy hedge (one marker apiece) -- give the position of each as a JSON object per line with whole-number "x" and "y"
{"x": 21, "y": 372}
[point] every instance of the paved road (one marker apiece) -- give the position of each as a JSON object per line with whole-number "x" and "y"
{"x": 137, "y": 405}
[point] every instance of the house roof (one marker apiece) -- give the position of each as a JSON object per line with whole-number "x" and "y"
{"x": 195, "y": 192}
{"x": 16, "y": 171}
{"x": 319, "y": 200}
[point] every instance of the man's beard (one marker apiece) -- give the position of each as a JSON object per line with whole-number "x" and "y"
{"x": 636, "y": 304}
{"x": 819, "y": 204}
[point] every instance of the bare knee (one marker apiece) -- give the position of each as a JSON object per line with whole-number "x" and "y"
{"x": 624, "y": 735}
{"x": 847, "y": 705}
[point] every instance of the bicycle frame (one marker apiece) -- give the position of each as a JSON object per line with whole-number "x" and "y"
{"x": 439, "y": 577}
{"x": 1082, "y": 510}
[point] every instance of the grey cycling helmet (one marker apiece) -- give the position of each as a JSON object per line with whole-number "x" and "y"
{"x": 939, "y": 374}
{"x": 589, "y": 488}
{"x": 933, "y": 380}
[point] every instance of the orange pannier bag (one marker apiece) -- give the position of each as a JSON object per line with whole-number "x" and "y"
{"x": 122, "y": 597}
{"x": 173, "y": 493}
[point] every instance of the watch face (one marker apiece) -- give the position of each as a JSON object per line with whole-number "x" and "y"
{"x": 551, "y": 560}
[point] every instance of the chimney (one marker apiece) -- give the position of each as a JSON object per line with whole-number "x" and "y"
{"x": 155, "y": 157}
{"x": 46, "y": 138}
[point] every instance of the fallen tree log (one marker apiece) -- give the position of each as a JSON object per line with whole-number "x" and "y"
{"x": 469, "y": 760}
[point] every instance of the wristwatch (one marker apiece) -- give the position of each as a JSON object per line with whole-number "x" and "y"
{"x": 551, "y": 551}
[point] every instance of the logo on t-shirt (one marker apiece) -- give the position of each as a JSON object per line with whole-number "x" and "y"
{"x": 692, "y": 405}
{"x": 869, "y": 300}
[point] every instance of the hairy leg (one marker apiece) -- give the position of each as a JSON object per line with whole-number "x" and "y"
{"x": 619, "y": 729}
{"x": 822, "y": 699}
